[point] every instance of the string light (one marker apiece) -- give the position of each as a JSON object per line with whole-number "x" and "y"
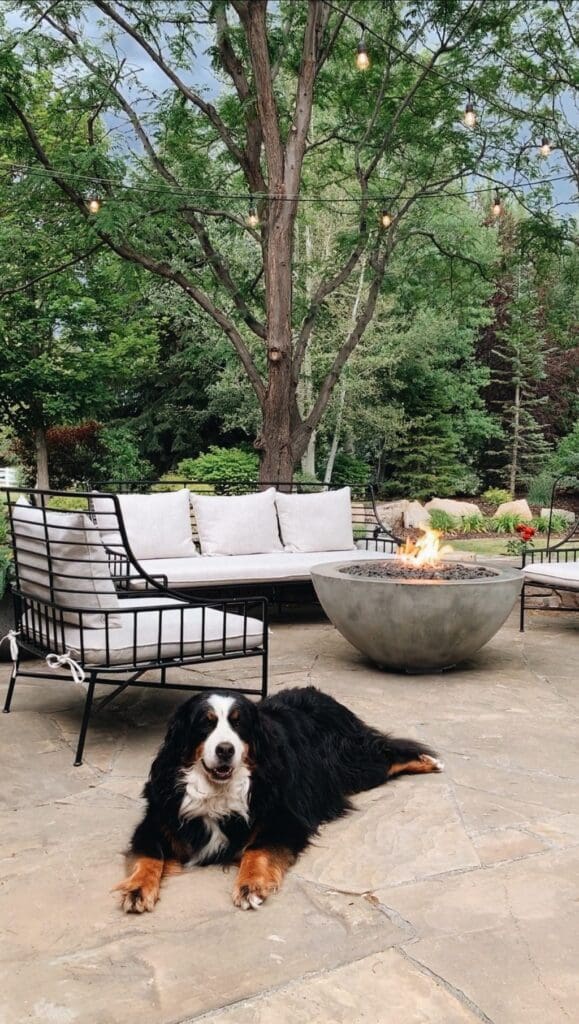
{"x": 545, "y": 147}
{"x": 386, "y": 219}
{"x": 497, "y": 205}
{"x": 252, "y": 215}
{"x": 362, "y": 57}
{"x": 469, "y": 116}
{"x": 93, "y": 204}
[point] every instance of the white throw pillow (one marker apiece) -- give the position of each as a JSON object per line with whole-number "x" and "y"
{"x": 316, "y": 522}
{"x": 157, "y": 525}
{"x": 244, "y": 524}
{"x": 80, "y": 569}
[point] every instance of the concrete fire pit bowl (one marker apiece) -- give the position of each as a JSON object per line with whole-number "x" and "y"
{"x": 416, "y": 625}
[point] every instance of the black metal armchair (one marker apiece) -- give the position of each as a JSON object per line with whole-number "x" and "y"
{"x": 553, "y": 568}
{"x": 72, "y": 608}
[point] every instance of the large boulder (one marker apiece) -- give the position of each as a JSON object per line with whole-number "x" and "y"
{"x": 514, "y": 508}
{"x": 392, "y": 513}
{"x": 564, "y": 513}
{"x": 415, "y": 515}
{"x": 454, "y": 508}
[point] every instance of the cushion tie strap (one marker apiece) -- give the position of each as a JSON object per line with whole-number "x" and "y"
{"x": 11, "y": 638}
{"x": 67, "y": 661}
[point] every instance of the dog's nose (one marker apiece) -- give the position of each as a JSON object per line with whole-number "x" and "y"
{"x": 224, "y": 751}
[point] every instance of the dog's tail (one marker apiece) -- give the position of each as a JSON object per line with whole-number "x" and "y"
{"x": 409, "y": 757}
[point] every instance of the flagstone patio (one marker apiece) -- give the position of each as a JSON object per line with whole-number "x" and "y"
{"x": 447, "y": 899}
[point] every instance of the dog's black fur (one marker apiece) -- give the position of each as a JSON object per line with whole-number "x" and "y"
{"x": 306, "y": 754}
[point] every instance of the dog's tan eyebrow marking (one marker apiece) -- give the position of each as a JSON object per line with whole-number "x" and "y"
{"x": 210, "y": 716}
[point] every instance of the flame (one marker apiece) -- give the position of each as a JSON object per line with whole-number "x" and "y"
{"x": 427, "y": 550}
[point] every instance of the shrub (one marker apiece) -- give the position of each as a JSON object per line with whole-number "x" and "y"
{"x": 224, "y": 466}
{"x": 5, "y": 565}
{"x": 475, "y": 523}
{"x": 441, "y": 520}
{"x": 496, "y": 496}
{"x": 540, "y": 488}
{"x": 64, "y": 504}
{"x": 566, "y": 456}
{"x": 559, "y": 524}
{"x": 508, "y": 522}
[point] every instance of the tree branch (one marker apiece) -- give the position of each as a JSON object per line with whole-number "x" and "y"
{"x": 158, "y": 267}
{"x": 52, "y": 271}
{"x": 446, "y": 252}
{"x": 206, "y": 108}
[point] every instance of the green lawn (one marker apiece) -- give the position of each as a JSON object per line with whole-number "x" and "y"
{"x": 491, "y": 545}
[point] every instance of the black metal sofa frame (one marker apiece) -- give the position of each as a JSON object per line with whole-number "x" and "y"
{"x": 53, "y": 577}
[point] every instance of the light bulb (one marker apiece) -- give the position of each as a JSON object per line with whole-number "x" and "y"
{"x": 469, "y": 117}
{"x": 362, "y": 58}
{"x": 93, "y": 204}
{"x": 386, "y": 219}
{"x": 497, "y": 207}
{"x": 545, "y": 147}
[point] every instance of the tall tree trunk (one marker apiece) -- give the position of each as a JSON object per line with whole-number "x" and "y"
{"x": 305, "y": 383}
{"x": 515, "y": 446}
{"x": 342, "y": 398}
{"x": 336, "y": 437}
{"x": 275, "y": 440}
{"x": 42, "y": 481}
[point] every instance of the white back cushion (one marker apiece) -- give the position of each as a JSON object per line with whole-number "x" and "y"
{"x": 243, "y": 524}
{"x": 80, "y": 569}
{"x": 157, "y": 525}
{"x": 316, "y": 522}
{"x": 106, "y": 518}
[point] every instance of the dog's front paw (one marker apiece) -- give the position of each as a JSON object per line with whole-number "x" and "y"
{"x": 140, "y": 891}
{"x": 136, "y": 899}
{"x": 250, "y": 894}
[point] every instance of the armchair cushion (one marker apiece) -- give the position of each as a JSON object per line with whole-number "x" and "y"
{"x": 63, "y": 549}
{"x": 150, "y": 635}
{"x": 553, "y": 574}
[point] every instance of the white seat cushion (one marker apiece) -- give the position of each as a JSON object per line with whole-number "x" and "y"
{"x": 264, "y": 568}
{"x": 244, "y": 524}
{"x": 316, "y": 522}
{"x": 60, "y": 559}
{"x": 551, "y": 574}
{"x": 142, "y": 630}
{"x": 157, "y": 525}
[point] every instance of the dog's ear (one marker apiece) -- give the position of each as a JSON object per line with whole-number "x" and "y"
{"x": 173, "y": 750}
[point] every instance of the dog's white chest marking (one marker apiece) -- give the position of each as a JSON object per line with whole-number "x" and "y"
{"x": 212, "y": 802}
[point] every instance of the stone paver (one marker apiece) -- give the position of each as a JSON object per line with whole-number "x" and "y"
{"x": 451, "y": 899}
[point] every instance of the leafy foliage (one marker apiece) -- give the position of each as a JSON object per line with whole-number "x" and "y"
{"x": 441, "y": 520}
{"x": 496, "y": 496}
{"x": 221, "y": 465}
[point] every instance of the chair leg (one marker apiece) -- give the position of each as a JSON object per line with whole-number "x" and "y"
{"x": 84, "y": 723}
{"x": 11, "y": 686}
{"x": 522, "y": 611}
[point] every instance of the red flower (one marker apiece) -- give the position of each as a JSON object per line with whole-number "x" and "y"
{"x": 526, "y": 533}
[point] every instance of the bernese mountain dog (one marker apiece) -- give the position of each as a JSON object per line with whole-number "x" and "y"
{"x": 238, "y": 781}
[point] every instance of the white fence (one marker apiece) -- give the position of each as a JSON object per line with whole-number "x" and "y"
{"x": 8, "y": 476}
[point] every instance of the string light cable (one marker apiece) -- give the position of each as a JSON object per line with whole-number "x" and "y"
{"x": 90, "y": 184}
